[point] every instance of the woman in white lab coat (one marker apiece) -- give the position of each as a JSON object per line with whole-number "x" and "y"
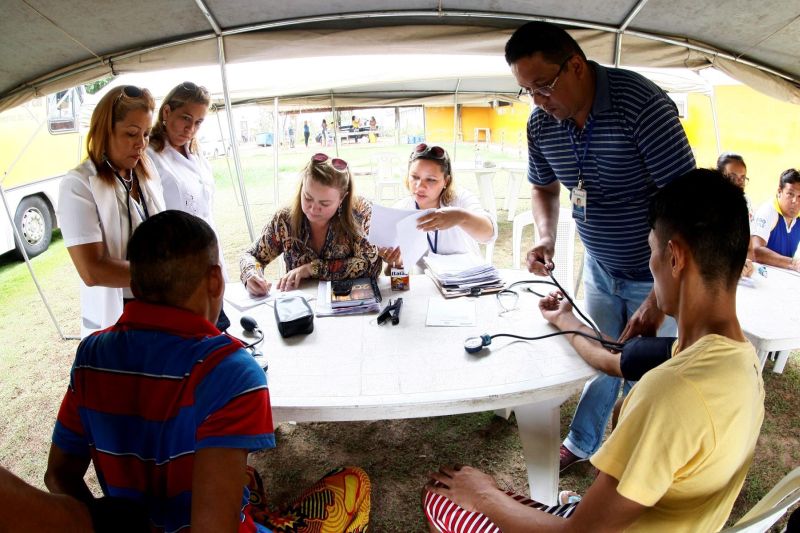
{"x": 185, "y": 174}
{"x": 105, "y": 198}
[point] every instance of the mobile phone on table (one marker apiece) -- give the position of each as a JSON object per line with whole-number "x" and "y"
{"x": 342, "y": 287}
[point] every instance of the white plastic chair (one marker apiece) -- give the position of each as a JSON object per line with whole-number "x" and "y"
{"x": 564, "y": 258}
{"x": 771, "y": 507}
{"x": 383, "y": 172}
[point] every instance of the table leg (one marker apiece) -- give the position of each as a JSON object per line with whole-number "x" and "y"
{"x": 539, "y": 432}
{"x": 780, "y": 361}
{"x": 762, "y": 358}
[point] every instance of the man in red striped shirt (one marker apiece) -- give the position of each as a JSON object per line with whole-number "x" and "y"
{"x": 165, "y": 406}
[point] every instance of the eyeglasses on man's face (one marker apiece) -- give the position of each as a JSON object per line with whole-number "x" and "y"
{"x": 544, "y": 90}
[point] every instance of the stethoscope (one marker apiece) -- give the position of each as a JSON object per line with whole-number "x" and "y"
{"x": 128, "y": 185}
{"x": 476, "y": 344}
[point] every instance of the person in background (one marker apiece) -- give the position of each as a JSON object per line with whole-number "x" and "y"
{"x": 306, "y": 132}
{"x": 612, "y": 138}
{"x": 105, "y": 198}
{"x": 291, "y": 134}
{"x": 324, "y": 133}
{"x": 167, "y": 408}
{"x": 775, "y": 232}
{"x": 732, "y": 166}
{"x": 457, "y": 222}
{"x": 322, "y": 235}
{"x": 186, "y": 175}
{"x": 688, "y": 430}
{"x": 373, "y": 124}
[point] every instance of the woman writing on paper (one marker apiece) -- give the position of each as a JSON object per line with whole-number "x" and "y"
{"x": 322, "y": 235}
{"x": 458, "y": 222}
{"x": 105, "y": 198}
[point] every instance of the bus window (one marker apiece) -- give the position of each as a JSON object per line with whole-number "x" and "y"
{"x": 62, "y": 112}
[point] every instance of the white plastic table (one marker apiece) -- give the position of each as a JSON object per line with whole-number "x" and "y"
{"x": 517, "y": 172}
{"x": 350, "y": 368}
{"x": 769, "y": 313}
{"x": 484, "y": 176}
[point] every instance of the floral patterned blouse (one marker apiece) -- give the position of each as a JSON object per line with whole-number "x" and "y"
{"x": 339, "y": 258}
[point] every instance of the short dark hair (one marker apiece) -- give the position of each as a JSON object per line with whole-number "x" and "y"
{"x": 710, "y": 215}
{"x": 788, "y": 176}
{"x": 170, "y": 253}
{"x": 553, "y": 42}
{"x": 728, "y": 157}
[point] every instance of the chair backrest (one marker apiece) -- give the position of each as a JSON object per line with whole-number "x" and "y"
{"x": 564, "y": 258}
{"x": 771, "y": 507}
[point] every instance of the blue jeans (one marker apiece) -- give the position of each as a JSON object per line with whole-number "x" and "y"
{"x": 610, "y": 302}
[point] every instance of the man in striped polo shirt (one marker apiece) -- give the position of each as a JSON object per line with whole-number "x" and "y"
{"x": 613, "y": 138}
{"x": 165, "y": 406}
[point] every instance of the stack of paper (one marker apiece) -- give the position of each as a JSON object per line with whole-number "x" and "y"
{"x": 462, "y": 274}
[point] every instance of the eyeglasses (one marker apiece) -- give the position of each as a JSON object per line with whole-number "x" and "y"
{"x": 507, "y": 301}
{"x": 736, "y": 177}
{"x": 336, "y": 163}
{"x": 544, "y": 90}
{"x": 429, "y": 152}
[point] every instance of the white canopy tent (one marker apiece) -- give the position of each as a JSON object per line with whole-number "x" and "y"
{"x": 51, "y": 45}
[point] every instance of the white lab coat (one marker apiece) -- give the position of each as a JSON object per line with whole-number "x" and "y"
{"x": 188, "y": 184}
{"x": 90, "y": 210}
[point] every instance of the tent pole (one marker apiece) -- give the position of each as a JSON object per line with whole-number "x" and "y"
{"x": 234, "y": 144}
{"x": 713, "y": 98}
{"x": 396, "y": 126}
{"x": 455, "y": 118}
{"x": 30, "y": 268}
{"x": 334, "y": 124}
{"x": 275, "y": 143}
{"x": 227, "y": 157}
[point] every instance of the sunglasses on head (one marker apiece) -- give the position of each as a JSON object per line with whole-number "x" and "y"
{"x": 429, "y": 152}
{"x": 336, "y": 163}
{"x": 193, "y": 87}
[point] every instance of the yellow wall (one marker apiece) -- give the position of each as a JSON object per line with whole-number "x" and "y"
{"x": 439, "y": 124}
{"x": 765, "y": 131}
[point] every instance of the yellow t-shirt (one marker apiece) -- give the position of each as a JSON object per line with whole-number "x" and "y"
{"x": 686, "y": 436}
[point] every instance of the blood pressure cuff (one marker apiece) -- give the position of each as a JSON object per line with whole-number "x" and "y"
{"x": 641, "y": 354}
{"x": 294, "y": 316}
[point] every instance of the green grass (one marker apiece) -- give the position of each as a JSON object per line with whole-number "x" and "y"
{"x": 398, "y": 454}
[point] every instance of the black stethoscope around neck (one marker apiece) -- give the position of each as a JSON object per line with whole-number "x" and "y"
{"x": 128, "y": 185}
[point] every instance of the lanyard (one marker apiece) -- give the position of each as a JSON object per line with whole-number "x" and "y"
{"x": 435, "y": 244}
{"x": 582, "y": 158}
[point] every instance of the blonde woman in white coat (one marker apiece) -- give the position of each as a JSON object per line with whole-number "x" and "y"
{"x": 185, "y": 174}
{"x": 104, "y": 199}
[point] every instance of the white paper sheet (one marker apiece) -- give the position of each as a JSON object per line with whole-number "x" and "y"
{"x": 391, "y": 227}
{"x": 450, "y": 313}
{"x": 383, "y": 224}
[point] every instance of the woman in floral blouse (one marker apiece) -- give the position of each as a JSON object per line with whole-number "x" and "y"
{"x": 322, "y": 235}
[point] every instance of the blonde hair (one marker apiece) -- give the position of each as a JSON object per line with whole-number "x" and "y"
{"x": 448, "y": 194}
{"x": 185, "y": 93}
{"x": 324, "y": 174}
{"x": 113, "y": 108}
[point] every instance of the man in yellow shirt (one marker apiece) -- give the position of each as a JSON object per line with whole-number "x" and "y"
{"x": 687, "y": 431}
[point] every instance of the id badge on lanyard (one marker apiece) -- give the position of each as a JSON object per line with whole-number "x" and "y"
{"x": 578, "y": 197}
{"x": 578, "y": 200}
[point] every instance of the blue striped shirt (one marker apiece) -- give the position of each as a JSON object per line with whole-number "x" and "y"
{"x": 637, "y": 146}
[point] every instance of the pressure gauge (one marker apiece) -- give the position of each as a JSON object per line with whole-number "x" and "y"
{"x": 476, "y": 344}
